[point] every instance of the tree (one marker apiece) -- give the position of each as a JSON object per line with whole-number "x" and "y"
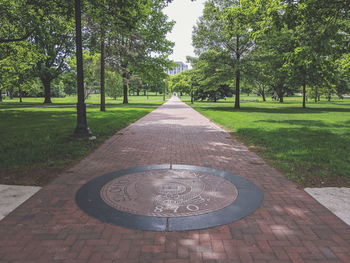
{"x": 212, "y": 75}
{"x": 107, "y": 18}
{"x": 320, "y": 37}
{"x": 82, "y": 128}
{"x": 227, "y": 26}
{"x": 142, "y": 51}
{"x": 54, "y": 39}
{"x": 16, "y": 66}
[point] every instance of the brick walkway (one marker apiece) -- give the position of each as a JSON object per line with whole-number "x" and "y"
{"x": 289, "y": 227}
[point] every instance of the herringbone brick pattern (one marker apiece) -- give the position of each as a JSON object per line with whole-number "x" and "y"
{"x": 289, "y": 227}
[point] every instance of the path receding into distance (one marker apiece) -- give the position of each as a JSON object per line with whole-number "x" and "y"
{"x": 290, "y": 226}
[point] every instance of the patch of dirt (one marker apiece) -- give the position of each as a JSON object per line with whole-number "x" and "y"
{"x": 330, "y": 181}
{"x": 30, "y": 176}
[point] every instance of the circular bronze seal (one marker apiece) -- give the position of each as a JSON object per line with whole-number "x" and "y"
{"x": 169, "y": 193}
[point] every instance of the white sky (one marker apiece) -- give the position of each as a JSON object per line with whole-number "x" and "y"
{"x": 185, "y": 13}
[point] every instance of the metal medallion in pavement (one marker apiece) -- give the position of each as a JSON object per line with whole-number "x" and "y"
{"x": 169, "y": 197}
{"x": 169, "y": 193}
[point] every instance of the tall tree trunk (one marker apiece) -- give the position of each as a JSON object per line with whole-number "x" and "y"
{"x": 263, "y": 94}
{"x": 20, "y": 93}
{"x": 191, "y": 97}
{"x": 316, "y": 94}
{"x": 138, "y": 92}
{"x": 304, "y": 90}
{"x": 329, "y": 96}
{"x": 281, "y": 98}
{"x": 304, "y": 95}
{"x": 102, "y": 80}
{"x": 0, "y": 95}
{"x": 237, "y": 97}
{"x": 125, "y": 90}
{"x": 82, "y": 128}
{"x": 144, "y": 92}
{"x": 10, "y": 92}
{"x": 280, "y": 93}
{"x": 238, "y": 74}
{"x": 47, "y": 89}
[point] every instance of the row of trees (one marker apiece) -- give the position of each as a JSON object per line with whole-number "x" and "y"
{"x": 272, "y": 46}
{"x": 124, "y": 44}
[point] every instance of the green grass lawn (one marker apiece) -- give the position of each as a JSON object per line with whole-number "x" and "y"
{"x": 36, "y": 143}
{"x": 311, "y": 146}
{"x": 151, "y": 100}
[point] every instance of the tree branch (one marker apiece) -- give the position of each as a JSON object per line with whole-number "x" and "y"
{"x": 8, "y": 40}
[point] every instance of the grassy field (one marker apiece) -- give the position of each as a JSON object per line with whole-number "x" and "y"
{"x": 311, "y": 146}
{"x": 151, "y": 100}
{"x": 36, "y": 143}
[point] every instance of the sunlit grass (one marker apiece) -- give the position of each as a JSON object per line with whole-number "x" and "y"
{"x": 152, "y": 99}
{"x": 311, "y": 146}
{"x": 34, "y": 138}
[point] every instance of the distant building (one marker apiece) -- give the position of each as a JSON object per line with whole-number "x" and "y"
{"x": 180, "y": 67}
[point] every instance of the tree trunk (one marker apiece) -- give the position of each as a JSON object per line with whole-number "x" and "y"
{"x": 263, "y": 94}
{"x": 304, "y": 91}
{"x": 20, "y": 93}
{"x": 316, "y": 94}
{"x": 125, "y": 90}
{"x": 138, "y": 92}
{"x": 238, "y": 74}
{"x": 280, "y": 93}
{"x": 191, "y": 97}
{"x": 144, "y": 92}
{"x": 82, "y": 128}
{"x": 0, "y": 95}
{"x": 10, "y": 92}
{"x": 281, "y": 98}
{"x": 237, "y": 95}
{"x": 47, "y": 89}
{"x": 102, "y": 80}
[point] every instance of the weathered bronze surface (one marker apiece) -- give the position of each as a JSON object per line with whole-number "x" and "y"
{"x": 169, "y": 193}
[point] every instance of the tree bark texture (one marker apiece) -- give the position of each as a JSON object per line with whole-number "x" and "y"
{"x": 20, "y": 93}
{"x": 47, "y": 89}
{"x": 82, "y": 128}
{"x": 237, "y": 95}
{"x": 238, "y": 75}
{"x": 263, "y": 94}
{"x": 125, "y": 90}
{"x": 304, "y": 91}
{"x": 102, "y": 80}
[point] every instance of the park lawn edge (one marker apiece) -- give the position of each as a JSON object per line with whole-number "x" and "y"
{"x": 302, "y": 180}
{"x": 40, "y": 175}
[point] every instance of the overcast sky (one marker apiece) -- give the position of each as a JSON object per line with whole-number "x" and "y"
{"x": 185, "y": 13}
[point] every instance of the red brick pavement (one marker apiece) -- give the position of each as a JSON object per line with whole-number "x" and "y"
{"x": 289, "y": 227}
